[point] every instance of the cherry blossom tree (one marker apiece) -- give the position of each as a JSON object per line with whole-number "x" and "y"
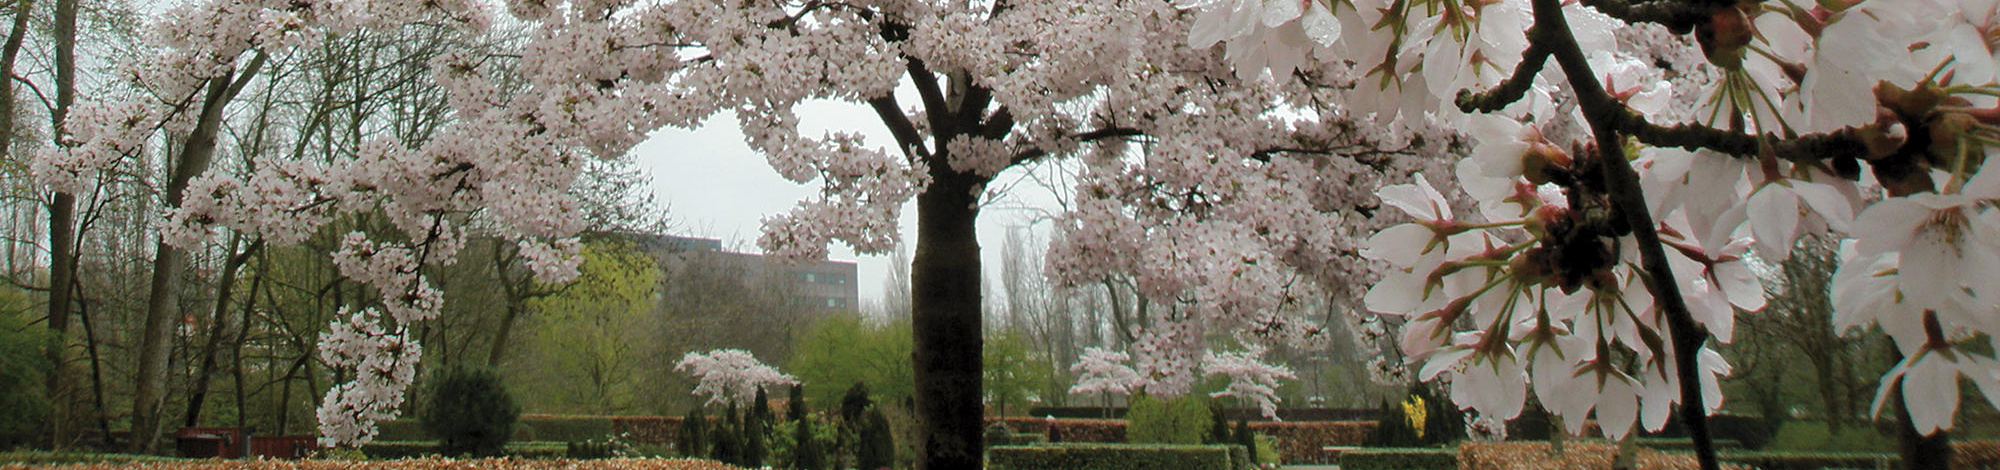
{"x": 1612, "y": 229}
{"x": 731, "y": 376}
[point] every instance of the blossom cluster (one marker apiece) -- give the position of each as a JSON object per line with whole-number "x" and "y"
{"x": 731, "y": 376}
{"x": 1541, "y": 290}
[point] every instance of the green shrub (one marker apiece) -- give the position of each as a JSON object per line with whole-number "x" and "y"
{"x": 407, "y": 429}
{"x": 692, "y": 440}
{"x": 1182, "y": 420}
{"x": 604, "y": 449}
{"x": 1812, "y": 436}
{"x": 23, "y": 394}
{"x": 1418, "y": 458}
{"x": 877, "y": 446}
{"x": 1267, "y": 450}
{"x": 1811, "y": 460}
{"x": 470, "y": 412}
{"x": 724, "y": 445}
{"x": 1116, "y": 457}
{"x": 1682, "y": 444}
{"x": 756, "y": 431}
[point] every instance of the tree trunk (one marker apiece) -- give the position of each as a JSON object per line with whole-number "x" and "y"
{"x": 946, "y": 322}
{"x": 218, "y": 328}
{"x": 157, "y": 343}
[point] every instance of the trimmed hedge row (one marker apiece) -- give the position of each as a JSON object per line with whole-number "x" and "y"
{"x": 1298, "y": 442}
{"x": 1403, "y": 458}
{"x": 389, "y": 450}
{"x": 1682, "y": 444}
{"x": 1812, "y": 460}
{"x": 42, "y": 457}
{"x": 1118, "y": 457}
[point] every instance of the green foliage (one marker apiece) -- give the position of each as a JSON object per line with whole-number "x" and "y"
{"x": 1011, "y": 373}
{"x": 795, "y": 403}
{"x": 1811, "y": 460}
{"x": 469, "y": 412}
{"x": 802, "y": 444}
{"x": 692, "y": 440}
{"x": 877, "y": 446}
{"x": 1399, "y": 459}
{"x": 581, "y": 350}
{"x": 406, "y": 429}
{"x": 1116, "y": 457}
{"x": 1813, "y": 436}
{"x": 594, "y": 449}
{"x": 23, "y": 365}
{"x": 854, "y": 404}
{"x": 1682, "y": 444}
{"x": 725, "y": 445}
{"x": 1182, "y": 420}
{"x": 846, "y": 349}
{"x": 1243, "y": 436}
{"x": 756, "y": 427}
{"x": 1218, "y": 426}
{"x": 1267, "y": 450}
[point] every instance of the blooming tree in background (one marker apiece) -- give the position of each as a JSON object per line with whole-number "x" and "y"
{"x": 731, "y": 376}
{"x": 1615, "y": 210}
{"x": 1103, "y": 371}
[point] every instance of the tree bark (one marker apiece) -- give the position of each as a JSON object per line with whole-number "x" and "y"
{"x": 157, "y": 343}
{"x": 218, "y": 328}
{"x": 946, "y": 324}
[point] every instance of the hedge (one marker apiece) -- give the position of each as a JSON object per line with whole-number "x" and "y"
{"x": 1298, "y": 442}
{"x": 1118, "y": 457}
{"x": 1812, "y": 460}
{"x": 1399, "y": 458}
{"x": 1682, "y": 444}
{"x": 568, "y": 428}
{"x": 432, "y": 463}
{"x": 390, "y": 450}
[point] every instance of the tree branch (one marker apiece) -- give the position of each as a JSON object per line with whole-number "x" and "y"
{"x": 1108, "y": 132}
{"x": 1516, "y": 85}
{"x": 900, "y": 125}
{"x": 1607, "y": 119}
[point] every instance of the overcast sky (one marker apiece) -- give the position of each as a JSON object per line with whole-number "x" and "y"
{"x": 716, "y": 187}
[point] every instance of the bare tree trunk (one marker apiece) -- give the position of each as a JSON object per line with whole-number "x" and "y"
{"x": 218, "y": 328}
{"x": 157, "y": 343}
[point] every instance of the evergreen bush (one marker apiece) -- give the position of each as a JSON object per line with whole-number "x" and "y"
{"x": 726, "y": 447}
{"x": 756, "y": 426}
{"x": 469, "y": 412}
{"x": 876, "y": 448}
{"x": 692, "y": 441}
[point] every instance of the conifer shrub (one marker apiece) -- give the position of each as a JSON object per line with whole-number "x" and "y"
{"x": 469, "y": 412}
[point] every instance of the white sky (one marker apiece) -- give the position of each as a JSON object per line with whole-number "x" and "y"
{"x": 715, "y": 186}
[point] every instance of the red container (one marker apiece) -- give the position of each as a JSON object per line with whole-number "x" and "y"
{"x": 202, "y": 443}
